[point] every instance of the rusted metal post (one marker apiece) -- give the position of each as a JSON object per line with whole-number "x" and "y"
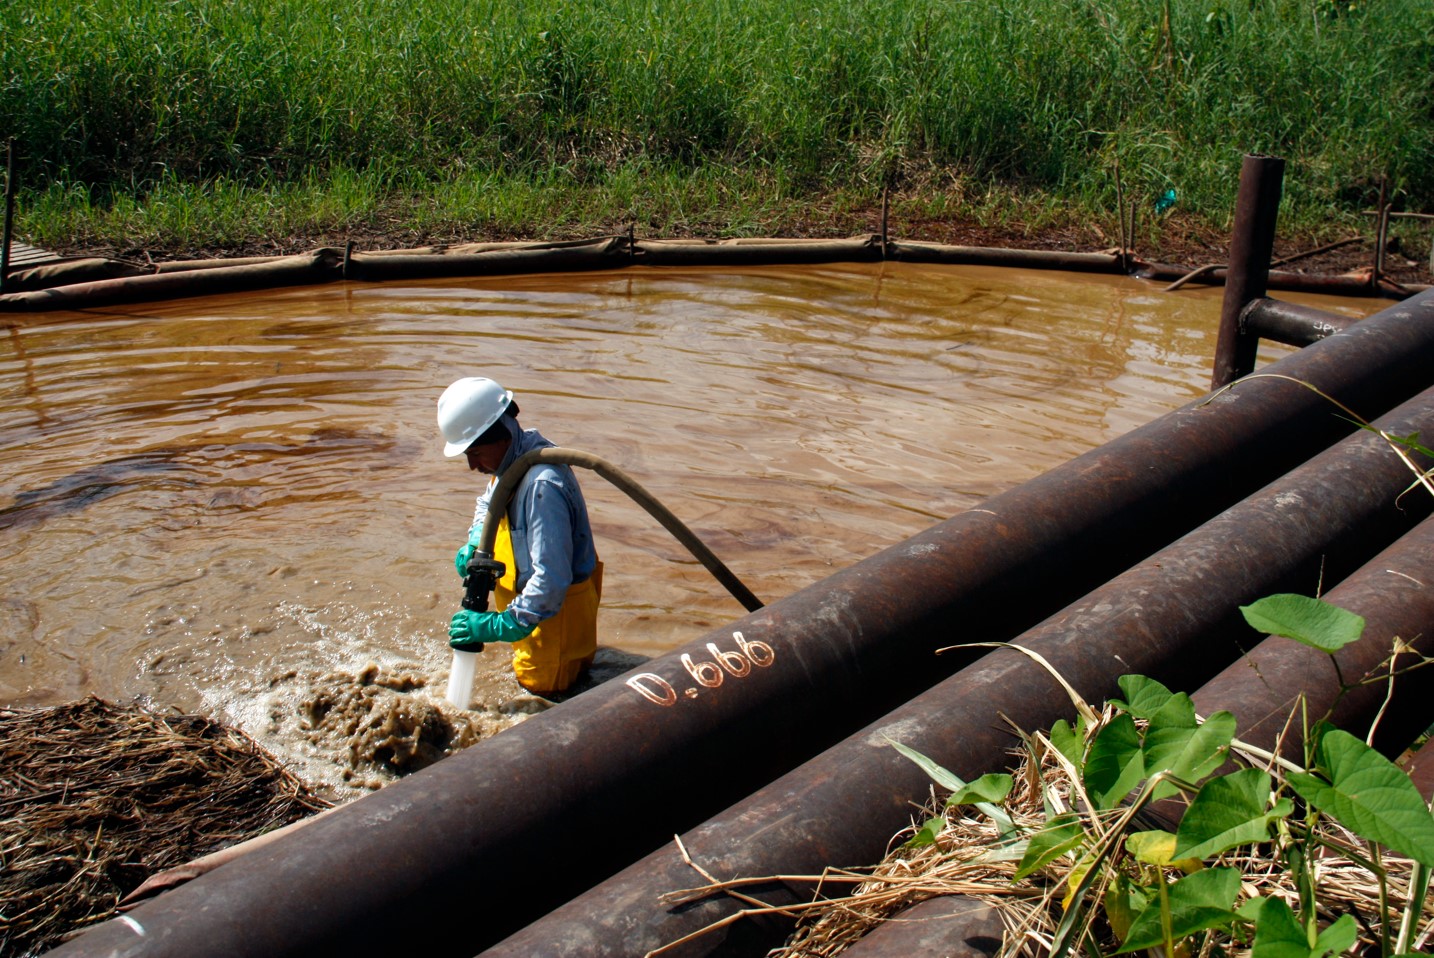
{"x": 9, "y": 212}
{"x": 1173, "y": 616}
{"x": 1381, "y": 233}
{"x": 1251, "y": 245}
{"x": 886, "y": 222}
{"x": 702, "y": 726}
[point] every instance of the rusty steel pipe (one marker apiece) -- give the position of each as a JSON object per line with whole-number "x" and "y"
{"x": 1251, "y": 244}
{"x": 951, "y": 926}
{"x": 1421, "y": 772}
{"x": 806, "y": 670}
{"x": 1173, "y": 616}
{"x": 1394, "y": 591}
{"x": 1291, "y": 323}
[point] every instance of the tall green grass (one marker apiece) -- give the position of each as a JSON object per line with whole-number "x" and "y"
{"x": 428, "y": 101}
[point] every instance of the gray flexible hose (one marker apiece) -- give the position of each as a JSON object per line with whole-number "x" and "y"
{"x": 508, "y": 484}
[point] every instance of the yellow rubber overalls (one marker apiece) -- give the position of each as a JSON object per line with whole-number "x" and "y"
{"x": 561, "y": 648}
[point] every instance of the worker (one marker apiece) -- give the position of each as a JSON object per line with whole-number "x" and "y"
{"x": 546, "y": 601}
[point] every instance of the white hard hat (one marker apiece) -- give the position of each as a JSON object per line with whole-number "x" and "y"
{"x": 466, "y": 410}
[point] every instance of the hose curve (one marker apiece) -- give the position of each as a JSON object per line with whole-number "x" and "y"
{"x": 508, "y": 484}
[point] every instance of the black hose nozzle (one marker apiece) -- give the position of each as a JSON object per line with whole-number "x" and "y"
{"x": 483, "y": 574}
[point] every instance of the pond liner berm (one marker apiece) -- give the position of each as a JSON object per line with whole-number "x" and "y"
{"x": 88, "y": 282}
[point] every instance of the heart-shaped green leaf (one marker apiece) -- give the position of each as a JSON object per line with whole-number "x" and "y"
{"x": 1188, "y": 753}
{"x": 1197, "y": 902}
{"x": 1228, "y": 811}
{"x": 1153, "y": 847}
{"x": 1279, "y": 934}
{"x": 1369, "y": 795}
{"x": 1061, "y": 835}
{"x": 1314, "y": 622}
{"x": 1069, "y": 741}
{"x": 927, "y": 834}
{"x": 1115, "y": 764}
{"x": 1145, "y": 698}
{"x": 991, "y": 787}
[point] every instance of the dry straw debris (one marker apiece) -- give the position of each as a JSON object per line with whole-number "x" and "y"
{"x": 969, "y": 858}
{"x": 96, "y": 797}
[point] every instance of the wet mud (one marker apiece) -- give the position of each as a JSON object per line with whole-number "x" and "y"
{"x": 367, "y": 727}
{"x": 378, "y": 723}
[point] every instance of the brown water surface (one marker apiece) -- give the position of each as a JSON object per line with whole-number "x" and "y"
{"x": 216, "y": 503}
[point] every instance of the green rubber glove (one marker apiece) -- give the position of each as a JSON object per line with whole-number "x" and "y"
{"x": 460, "y": 561}
{"x": 470, "y": 629}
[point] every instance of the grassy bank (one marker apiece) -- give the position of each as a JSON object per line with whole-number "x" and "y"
{"x": 188, "y": 122}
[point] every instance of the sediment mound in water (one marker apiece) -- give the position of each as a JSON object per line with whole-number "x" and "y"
{"x": 96, "y": 797}
{"x": 385, "y": 721}
{"x": 371, "y": 721}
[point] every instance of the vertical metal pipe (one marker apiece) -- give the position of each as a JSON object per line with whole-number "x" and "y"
{"x": 1120, "y": 220}
{"x": 1251, "y": 245}
{"x": 9, "y": 212}
{"x": 886, "y": 222}
{"x": 1381, "y": 233}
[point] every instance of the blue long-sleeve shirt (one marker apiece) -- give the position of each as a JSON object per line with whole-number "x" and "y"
{"x": 548, "y": 520}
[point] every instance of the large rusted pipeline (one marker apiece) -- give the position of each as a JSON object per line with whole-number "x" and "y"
{"x": 1394, "y": 592}
{"x": 842, "y": 652}
{"x": 1421, "y": 772}
{"x": 1173, "y": 616}
{"x": 952, "y": 926}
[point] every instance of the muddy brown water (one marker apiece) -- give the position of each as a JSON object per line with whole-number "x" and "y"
{"x": 239, "y": 504}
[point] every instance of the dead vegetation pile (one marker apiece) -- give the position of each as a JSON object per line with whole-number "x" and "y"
{"x": 970, "y": 858}
{"x": 96, "y": 797}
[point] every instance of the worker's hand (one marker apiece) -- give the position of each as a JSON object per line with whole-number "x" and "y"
{"x": 460, "y": 561}
{"x": 471, "y": 629}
